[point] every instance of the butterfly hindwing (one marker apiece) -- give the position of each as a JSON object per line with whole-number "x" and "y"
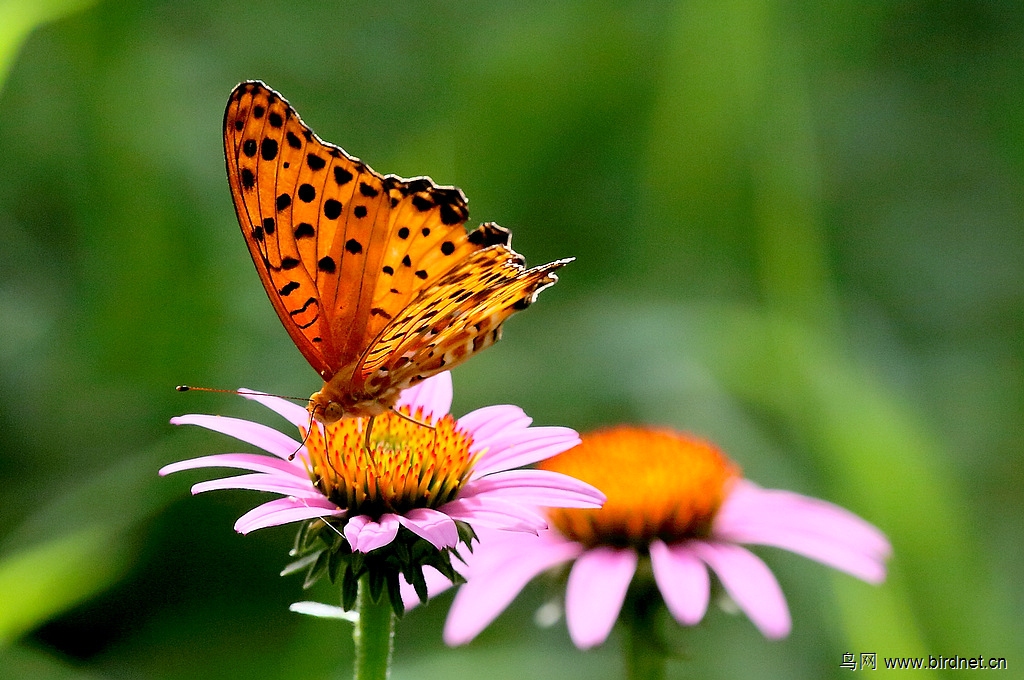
{"x": 457, "y": 316}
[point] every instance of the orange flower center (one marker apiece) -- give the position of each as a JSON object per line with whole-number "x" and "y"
{"x": 408, "y": 465}
{"x": 659, "y": 483}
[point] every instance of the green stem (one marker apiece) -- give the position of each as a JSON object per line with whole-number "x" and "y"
{"x": 373, "y": 634}
{"x": 643, "y": 649}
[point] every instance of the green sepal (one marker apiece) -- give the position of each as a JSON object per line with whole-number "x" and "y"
{"x": 349, "y": 589}
{"x": 377, "y": 580}
{"x": 419, "y": 583}
{"x": 299, "y": 564}
{"x": 318, "y": 570}
{"x": 323, "y": 551}
{"x": 335, "y": 563}
{"x": 395, "y": 594}
{"x": 466, "y": 534}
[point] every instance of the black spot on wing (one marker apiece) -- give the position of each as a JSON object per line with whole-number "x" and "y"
{"x": 268, "y": 149}
{"x": 342, "y": 176}
{"x": 490, "y": 234}
{"x": 450, "y": 215}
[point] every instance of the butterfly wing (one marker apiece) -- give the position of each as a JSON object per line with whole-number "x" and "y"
{"x": 375, "y": 277}
{"x": 313, "y": 218}
{"x": 460, "y": 314}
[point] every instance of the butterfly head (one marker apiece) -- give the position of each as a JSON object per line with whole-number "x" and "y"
{"x": 329, "y": 405}
{"x": 324, "y": 410}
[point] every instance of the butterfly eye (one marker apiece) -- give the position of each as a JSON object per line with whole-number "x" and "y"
{"x": 333, "y": 412}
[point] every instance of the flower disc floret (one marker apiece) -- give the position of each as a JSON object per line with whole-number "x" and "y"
{"x": 410, "y": 464}
{"x": 671, "y": 493}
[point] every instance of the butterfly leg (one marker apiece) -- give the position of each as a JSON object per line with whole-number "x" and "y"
{"x": 411, "y": 420}
{"x": 366, "y": 445}
{"x": 366, "y": 438}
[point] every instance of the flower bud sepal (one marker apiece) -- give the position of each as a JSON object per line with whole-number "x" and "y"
{"x": 322, "y": 550}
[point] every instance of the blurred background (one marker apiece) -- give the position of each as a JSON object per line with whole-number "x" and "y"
{"x": 798, "y": 232}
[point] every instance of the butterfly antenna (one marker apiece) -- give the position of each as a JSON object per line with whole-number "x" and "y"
{"x": 305, "y": 438}
{"x": 190, "y": 388}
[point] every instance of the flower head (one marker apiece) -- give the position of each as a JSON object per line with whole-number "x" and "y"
{"x": 426, "y": 478}
{"x": 677, "y": 504}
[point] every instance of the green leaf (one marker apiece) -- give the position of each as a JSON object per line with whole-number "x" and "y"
{"x": 43, "y": 580}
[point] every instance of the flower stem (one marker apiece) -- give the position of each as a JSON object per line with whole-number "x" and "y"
{"x": 373, "y": 634}
{"x": 643, "y": 650}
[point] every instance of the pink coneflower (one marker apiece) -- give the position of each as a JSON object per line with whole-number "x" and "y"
{"x": 676, "y": 506}
{"x": 426, "y": 480}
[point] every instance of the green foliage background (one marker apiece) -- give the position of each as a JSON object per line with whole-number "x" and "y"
{"x": 798, "y": 231}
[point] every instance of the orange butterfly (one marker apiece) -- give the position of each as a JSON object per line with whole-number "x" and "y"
{"x": 374, "y": 277}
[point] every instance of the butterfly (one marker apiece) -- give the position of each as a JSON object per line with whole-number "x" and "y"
{"x": 375, "y": 277}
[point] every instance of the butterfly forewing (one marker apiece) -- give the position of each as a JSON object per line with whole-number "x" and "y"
{"x": 362, "y": 269}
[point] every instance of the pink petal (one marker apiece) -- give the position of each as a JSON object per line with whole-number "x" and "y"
{"x": 490, "y": 421}
{"x": 364, "y": 535}
{"x": 433, "y": 526}
{"x": 434, "y": 395}
{"x": 283, "y": 511}
{"x": 494, "y": 513}
{"x": 536, "y": 487}
{"x": 524, "y": 448}
{"x": 595, "y": 593}
{"x": 290, "y": 486}
{"x": 514, "y": 559}
{"x": 749, "y": 504}
{"x": 293, "y": 413}
{"x": 750, "y": 584}
{"x": 683, "y": 581}
{"x": 267, "y": 438}
{"x": 828, "y": 550}
{"x": 246, "y": 461}
{"x": 808, "y": 526}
